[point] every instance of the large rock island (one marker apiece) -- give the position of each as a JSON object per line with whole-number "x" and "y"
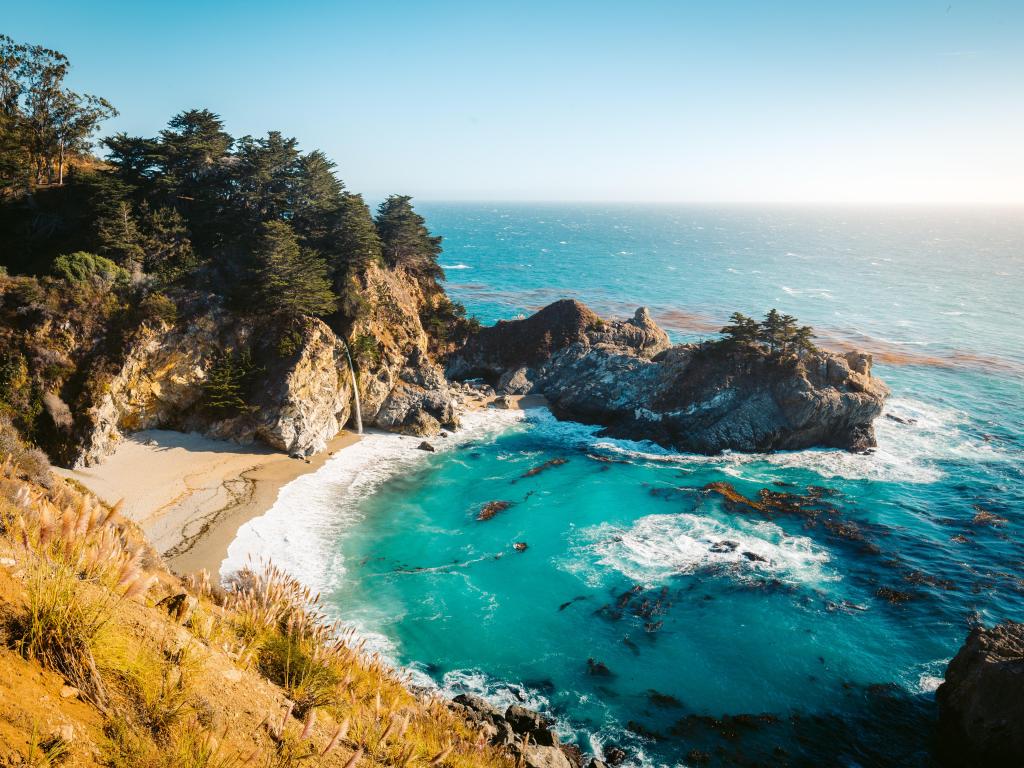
{"x": 627, "y": 377}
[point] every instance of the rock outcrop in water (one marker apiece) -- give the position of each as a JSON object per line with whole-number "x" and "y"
{"x": 526, "y": 734}
{"x": 705, "y": 398}
{"x": 981, "y": 702}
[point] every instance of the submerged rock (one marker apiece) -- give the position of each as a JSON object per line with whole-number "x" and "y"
{"x": 981, "y": 702}
{"x": 705, "y": 398}
{"x": 491, "y": 508}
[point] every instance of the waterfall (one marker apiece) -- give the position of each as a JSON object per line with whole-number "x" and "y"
{"x": 355, "y": 389}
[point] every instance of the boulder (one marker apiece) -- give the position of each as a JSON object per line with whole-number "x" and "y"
{"x": 306, "y": 400}
{"x": 516, "y": 382}
{"x": 525, "y": 720}
{"x": 981, "y": 702}
{"x": 477, "y": 705}
{"x": 535, "y": 756}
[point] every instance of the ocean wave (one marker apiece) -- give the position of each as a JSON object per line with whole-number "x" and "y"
{"x": 656, "y": 548}
{"x": 455, "y": 266}
{"x": 298, "y": 533}
{"x": 911, "y": 447}
{"x": 500, "y": 693}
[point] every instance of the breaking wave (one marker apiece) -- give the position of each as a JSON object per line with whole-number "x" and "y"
{"x": 300, "y": 530}
{"x": 658, "y": 547}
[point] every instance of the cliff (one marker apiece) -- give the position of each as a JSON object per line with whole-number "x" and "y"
{"x": 981, "y": 702}
{"x": 225, "y": 373}
{"x": 300, "y": 394}
{"x": 707, "y": 398}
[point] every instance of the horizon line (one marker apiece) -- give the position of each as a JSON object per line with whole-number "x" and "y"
{"x": 737, "y": 203}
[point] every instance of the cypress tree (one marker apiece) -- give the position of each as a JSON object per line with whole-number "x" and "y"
{"x": 290, "y": 280}
{"x": 406, "y": 241}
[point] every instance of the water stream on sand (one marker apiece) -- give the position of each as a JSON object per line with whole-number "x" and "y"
{"x": 648, "y": 610}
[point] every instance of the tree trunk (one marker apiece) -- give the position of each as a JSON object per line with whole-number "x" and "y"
{"x": 60, "y": 165}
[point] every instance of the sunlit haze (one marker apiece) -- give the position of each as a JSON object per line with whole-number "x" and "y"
{"x": 868, "y": 102}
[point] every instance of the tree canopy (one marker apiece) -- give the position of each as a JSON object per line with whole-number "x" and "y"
{"x": 42, "y": 122}
{"x": 191, "y": 207}
{"x": 776, "y": 334}
{"x": 405, "y": 240}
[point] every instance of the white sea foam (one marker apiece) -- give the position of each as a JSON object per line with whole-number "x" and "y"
{"x": 924, "y": 678}
{"x": 657, "y": 547}
{"x": 499, "y": 693}
{"x": 300, "y": 530}
{"x": 456, "y": 266}
{"x": 909, "y": 450}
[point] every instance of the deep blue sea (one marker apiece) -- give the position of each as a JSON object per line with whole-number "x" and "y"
{"x": 657, "y": 616}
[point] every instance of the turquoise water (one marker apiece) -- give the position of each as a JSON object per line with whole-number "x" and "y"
{"x": 647, "y": 611}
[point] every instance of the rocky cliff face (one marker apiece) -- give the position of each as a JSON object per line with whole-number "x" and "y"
{"x": 981, "y": 702}
{"x": 702, "y": 398}
{"x": 299, "y": 398}
{"x": 403, "y": 388}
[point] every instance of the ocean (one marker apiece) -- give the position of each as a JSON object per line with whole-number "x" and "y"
{"x": 648, "y": 610}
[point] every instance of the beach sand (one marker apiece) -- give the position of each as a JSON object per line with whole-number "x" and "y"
{"x": 191, "y": 494}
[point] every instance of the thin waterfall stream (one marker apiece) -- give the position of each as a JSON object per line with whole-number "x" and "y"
{"x": 355, "y": 389}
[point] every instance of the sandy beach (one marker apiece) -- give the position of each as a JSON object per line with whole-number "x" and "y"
{"x": 191, "y": 494}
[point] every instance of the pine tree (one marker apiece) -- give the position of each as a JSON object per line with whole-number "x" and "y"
{"x": 801, "y": 340}
{"x": 166, "y": 242}
{"x": 227, "y": 384}
{"x": 290, "y": 280}
{"x": 119, "y": 237}
{"x": 405, "y": 240}
{"x": 770, "y": 333}
{"x": 742, "y": 330}
{"x": 358, "y": 244}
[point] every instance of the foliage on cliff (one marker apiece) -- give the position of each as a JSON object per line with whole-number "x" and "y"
{"x": 108, "y": 660}
{"x": 174, "y": 229}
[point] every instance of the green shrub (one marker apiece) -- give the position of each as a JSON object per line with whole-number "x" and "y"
{"x": 158, "y": 306}
{"x": 365, "y": 347}
{"x": 83, "y": 267}
{"x": 226, "y": 388}
{"x": 289, "y": 341}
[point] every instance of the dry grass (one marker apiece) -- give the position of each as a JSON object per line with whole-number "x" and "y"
{"x": 85, "y": 613}
{"x": 270, "y": 620}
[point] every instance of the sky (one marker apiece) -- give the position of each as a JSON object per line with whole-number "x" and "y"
{"x": 903, "y": 101}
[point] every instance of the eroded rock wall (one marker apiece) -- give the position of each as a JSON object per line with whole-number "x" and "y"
{"x": 300, "y": 399}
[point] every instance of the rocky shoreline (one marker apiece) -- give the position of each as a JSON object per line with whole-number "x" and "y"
{"x": 704, "y": 398}
{"x": 527, "y": 735}
{"x": 981, "y": 702}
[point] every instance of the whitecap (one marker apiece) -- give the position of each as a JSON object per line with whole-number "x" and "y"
{"x": 656, "y": 548}
{"x": 455, "y": 266}
{"x": 499, "y": 693}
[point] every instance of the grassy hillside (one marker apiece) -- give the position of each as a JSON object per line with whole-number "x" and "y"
{"x": 107, "y": 659}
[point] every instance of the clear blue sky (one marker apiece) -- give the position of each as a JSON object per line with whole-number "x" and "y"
{"x": 906, "y": 101}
